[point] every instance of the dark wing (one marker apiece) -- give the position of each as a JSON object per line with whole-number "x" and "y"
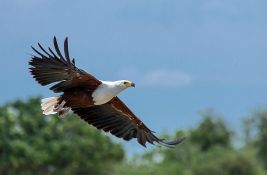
{"x": 50, "y": 67}
{"x": 115, "y": 117}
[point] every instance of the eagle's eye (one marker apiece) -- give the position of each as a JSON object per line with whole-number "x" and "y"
{"x": 125, "y": 82}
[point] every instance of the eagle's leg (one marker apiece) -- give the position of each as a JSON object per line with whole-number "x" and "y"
{"x": 63, "y": 113}
{"x": 61, "y": 110}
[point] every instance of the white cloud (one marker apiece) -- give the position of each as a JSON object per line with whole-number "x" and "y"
{"x": 157, "y": 78}
{"x": 166, "y": 78}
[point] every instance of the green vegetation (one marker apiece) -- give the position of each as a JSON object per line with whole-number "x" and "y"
{"x": 33, "y": 144}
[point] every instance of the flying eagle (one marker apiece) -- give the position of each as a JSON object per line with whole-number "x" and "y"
{"x": 95, "y": 101}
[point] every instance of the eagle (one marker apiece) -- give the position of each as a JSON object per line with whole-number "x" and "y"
{"x": 93, "y": 100}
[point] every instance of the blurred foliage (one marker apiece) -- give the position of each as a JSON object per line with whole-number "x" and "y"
{"x": 208, "y": 150}
{"x": 211, "y": 132}
{"x": 33, "y": 144}
{"x": 261, "y": 143}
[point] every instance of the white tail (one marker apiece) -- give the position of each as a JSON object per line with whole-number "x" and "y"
{"x": 49, "y": 105}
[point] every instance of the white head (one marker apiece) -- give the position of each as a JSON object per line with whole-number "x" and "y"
{"x": 124, "y": 84}
{"x": 109, "y": 89}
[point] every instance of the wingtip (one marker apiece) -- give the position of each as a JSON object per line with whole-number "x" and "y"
{"x": 73, "y": 61}
{"x": 177, "y": 141}
{"x": 144, "y": 145}
{"x": 172, "y": 144}
{"x": 55, "y": 41}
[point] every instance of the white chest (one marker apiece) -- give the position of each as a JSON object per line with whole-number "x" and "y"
{"x": 105, "y": 92}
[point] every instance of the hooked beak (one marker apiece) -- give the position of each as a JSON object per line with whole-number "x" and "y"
{"x": 132, "y": 84}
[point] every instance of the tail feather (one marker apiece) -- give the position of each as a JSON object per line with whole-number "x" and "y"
{"x": 51, "y": 106}
{"x": 48, "y": 105}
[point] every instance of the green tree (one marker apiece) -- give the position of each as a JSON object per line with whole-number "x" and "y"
{"x": 224, "y": 162}
{"x": 261, "y": 142}
{"x": 35, "y": 144}
{"x": 208, "y": 150}
{"x": 211, "y": 132}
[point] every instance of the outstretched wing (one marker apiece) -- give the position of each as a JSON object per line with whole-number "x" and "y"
{"x": 115, "y": 117}
{"x": 49, "y": 67}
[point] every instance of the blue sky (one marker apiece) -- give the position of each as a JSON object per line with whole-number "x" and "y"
{"x": 185, "y": 56}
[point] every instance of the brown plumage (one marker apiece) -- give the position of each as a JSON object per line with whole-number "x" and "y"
{"x": 77, "y": 88}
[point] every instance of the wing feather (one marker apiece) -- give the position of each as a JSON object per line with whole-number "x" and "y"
{"x": 51, "y": 67}
{"x": 57, "y": 49}
{"x": 66, "y": 49}
{"x": 115, "y": 117}
{"x": 49, "y": 56}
